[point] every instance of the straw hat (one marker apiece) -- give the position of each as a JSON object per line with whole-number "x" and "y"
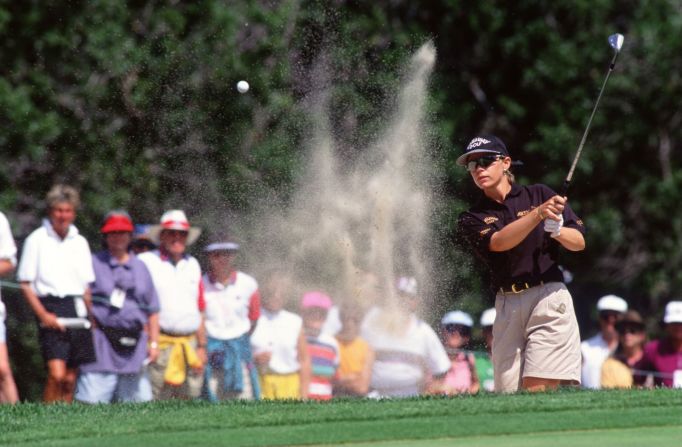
{"x": 174, "y": 220}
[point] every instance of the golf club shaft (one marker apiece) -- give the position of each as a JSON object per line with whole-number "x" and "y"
{"x": 569, "y": 177}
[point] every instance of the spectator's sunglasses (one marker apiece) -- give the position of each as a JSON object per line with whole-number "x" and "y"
{"x": 483, "y": 162}
{"x": 630, "y": 329}
{"x": 459, "y": 328}
{"x": 607, "y": 314}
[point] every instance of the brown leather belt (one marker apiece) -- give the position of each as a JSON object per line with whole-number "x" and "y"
{"x": 519, "y": 287}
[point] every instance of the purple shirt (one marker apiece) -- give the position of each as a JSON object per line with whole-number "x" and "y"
{"x": 140, "y": 301}
{"x": 659, "y": 357}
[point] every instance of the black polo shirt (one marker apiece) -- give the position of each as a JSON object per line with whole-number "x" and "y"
{"x": 535, "y": 258}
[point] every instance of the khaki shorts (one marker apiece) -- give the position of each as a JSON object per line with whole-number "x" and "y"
{"x": 535, "y": 335}
{"x": 191, "y": 389}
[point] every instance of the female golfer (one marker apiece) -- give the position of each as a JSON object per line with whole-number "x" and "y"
{"x": 517, "y": 230}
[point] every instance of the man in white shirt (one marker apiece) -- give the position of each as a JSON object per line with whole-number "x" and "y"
{"x": 232, "y": 311}
{"x": 597, "y": 349}
{"x": 8, "y": 260}
{"x": 55, "y": 272}
{"x": 178, "y": 370}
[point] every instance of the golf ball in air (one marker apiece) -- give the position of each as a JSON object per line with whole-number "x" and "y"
{"x": 242, "y": 86}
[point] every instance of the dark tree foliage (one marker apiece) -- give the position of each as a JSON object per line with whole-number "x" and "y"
{"x": 135, "y": 104}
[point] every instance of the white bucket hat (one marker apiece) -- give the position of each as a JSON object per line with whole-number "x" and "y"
{"x": 174, "y": 220}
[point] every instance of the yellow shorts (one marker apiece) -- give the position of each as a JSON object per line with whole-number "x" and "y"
{"x": 280, "y": 386}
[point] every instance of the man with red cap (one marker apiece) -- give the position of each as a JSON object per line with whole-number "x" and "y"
{"x": 124, "y": 304}
{"x": 178, "y": 370}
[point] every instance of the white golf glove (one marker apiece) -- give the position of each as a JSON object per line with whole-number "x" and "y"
{"x": 554, "y": 226}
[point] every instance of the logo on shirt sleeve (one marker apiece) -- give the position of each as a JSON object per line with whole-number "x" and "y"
{"x": 484, "y": 231}
{"x": 580, "y": 222}
{"x": 522, "y": 213}
{"x": 490, "y": 219}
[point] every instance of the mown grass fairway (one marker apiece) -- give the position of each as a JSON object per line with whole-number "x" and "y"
{"x": 568, "y": 418}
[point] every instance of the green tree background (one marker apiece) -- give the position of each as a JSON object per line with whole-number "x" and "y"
{"x": 134, "y": 103}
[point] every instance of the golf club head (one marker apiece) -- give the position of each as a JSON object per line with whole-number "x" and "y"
{"x": 616, "y": 41}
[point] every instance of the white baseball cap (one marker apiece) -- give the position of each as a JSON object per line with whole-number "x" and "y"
{"x": 457, "y": 317}
{"x": 673, "y": 312}
{"x": 407, "y": 285}
{"x": 488, "y": 317}
{"x": 612, "y": 302}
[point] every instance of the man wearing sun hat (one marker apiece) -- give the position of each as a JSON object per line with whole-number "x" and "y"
{"x": 178, "y": 370}
{"x": 663, "y": 357}
{"x": 597, "y": 349}
{"x": 232, "y": 311}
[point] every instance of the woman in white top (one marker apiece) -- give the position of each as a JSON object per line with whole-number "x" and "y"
{"x": 279, "y": 347}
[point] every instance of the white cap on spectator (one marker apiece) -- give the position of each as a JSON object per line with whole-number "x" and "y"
{"x": 407, "y": 285}
{"x": 673, "y": 312}
{"x": 488, "y": 317}
{"x": 612, "y": 302}
{"x": 457, "y": 317}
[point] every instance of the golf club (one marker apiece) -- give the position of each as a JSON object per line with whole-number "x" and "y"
{"x": 616, "y": 42}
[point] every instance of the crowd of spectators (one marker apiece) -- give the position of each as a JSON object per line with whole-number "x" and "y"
{"x": 140, "y": 321}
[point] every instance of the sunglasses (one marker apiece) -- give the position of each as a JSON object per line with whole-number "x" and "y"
{"x": 459, "y": 328}
{"x": 630, "y": 330}
{"x": 483, "y": 162}
{"x": 605, "y": 315}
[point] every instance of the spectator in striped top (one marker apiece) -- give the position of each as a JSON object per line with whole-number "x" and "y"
{"x": 322, "y": 348}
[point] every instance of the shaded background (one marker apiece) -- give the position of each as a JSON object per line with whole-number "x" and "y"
{"x": 135, "y": 104}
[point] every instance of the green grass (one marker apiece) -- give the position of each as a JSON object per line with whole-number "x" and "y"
{"x": 572, "y": 418}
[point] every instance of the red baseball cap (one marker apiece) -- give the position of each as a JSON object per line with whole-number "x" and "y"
{"x": 117, "y": 222}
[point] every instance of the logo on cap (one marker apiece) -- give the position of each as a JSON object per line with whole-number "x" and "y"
{"x": 477, "y": 142}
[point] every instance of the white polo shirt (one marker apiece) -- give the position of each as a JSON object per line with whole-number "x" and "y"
{"x": 180, "y": 292}
{"x": 403, "y": 360}
{"x": 56, "y": 266}
{"x": 594, "y": 352}
{"x": 231, "y": 307}
{"x": 8, "y": 251}
{"x": 278, "y": 333}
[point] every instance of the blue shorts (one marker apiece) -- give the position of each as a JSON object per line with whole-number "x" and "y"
{"x": 95, "y": 388}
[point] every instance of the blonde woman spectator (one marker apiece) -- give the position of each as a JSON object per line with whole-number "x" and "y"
{"x": 55, "y": 272}
{"x": 616, "y": 372}
{"x": 279, "y": 347}
{"x": 8, "y": 260}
